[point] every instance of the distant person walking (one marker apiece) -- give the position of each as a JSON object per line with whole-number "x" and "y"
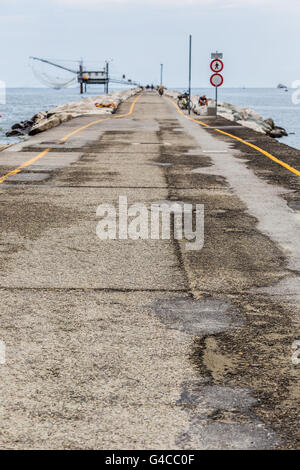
{"x": 161, "y": 90}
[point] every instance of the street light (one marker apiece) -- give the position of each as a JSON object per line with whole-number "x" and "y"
{"x": 190, "y": 72}
{"x": 107, "y": 62}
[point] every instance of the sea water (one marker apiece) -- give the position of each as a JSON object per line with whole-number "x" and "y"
{"x": 23, "y": 103}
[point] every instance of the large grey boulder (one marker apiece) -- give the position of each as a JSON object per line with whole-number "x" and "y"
{"x": 278, "y": 132}
{"x": 237, "y": 117}
{"x": 14, "y": 133}
{"x": 44, "y": 125}
{"x": 45, "y": 120}
{"x": 270, "y": 122}
{"x": 252, "y": 125}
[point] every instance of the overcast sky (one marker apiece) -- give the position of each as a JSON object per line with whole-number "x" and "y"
{"x": 259, "y": 39}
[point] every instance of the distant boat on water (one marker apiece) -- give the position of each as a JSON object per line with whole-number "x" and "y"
{"x": 280, "y": 85}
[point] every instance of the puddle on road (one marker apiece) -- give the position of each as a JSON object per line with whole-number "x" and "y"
{"x": 197, "y": 317}
{"x": 225, "y": 436}
{"x": 177, "y": 207}
{"x": 28, "y": 177}
{"x": 55, "y": 142}
{"x": 221, "y": 418}
{"x": 295, "y": 205}
{"x": 160, "y": 164}
{"x": 215, "y": 151}
{"x": 215, "y": 396}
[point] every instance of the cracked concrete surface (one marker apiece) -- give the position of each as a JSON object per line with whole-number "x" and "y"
{"x": 141, "y": 344}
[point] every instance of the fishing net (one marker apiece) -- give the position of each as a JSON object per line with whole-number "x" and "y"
{"x": 53, "y": 76}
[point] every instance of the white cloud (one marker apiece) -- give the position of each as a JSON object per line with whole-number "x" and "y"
{"x": 287, "y": 5}
{"x": 179, "y": 3}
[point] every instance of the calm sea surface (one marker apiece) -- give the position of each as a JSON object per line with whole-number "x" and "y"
{"x": 23, "y": 103}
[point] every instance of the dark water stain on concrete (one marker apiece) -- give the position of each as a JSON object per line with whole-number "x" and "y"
{"x": 257, "y": 355}
{"x": 30, "y": 219}
{"x": 252, "y": 354}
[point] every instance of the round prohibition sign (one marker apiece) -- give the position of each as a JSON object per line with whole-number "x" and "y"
{"x": 216, "y": 80}
{"x": 216, "y": 65}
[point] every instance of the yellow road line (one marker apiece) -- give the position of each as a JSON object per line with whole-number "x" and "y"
{"x": 264, "y": 152}
{"x": 187, "y": 117}
{"x": 66, "y": 137}
{"x": 24, "y": 165}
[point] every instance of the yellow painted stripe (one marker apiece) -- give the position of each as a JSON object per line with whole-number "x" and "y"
{"x": 63, "y": 139}
{"x": 24, "y": 165}
{"x": 187, "y": 117}
{"x": 264, "y": 152}
{"x": 66, "y": 137}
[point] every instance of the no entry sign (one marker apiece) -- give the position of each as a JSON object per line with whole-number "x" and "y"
{"x": 216, "y": 80}
{"x": 216, "y": 65}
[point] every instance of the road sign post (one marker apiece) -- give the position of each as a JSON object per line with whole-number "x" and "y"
{"x": 190, "y": 73}
{"x": 216, "y": 79}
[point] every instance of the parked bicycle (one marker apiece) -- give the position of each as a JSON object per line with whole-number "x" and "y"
{"x": 183, "y": 101}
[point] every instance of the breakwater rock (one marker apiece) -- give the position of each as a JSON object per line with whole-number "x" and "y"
{"x": 246, "y": 117}
{"x": 40, "y": 122}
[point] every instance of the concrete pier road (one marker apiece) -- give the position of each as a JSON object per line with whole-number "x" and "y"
{"x": 142, "y": 344}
